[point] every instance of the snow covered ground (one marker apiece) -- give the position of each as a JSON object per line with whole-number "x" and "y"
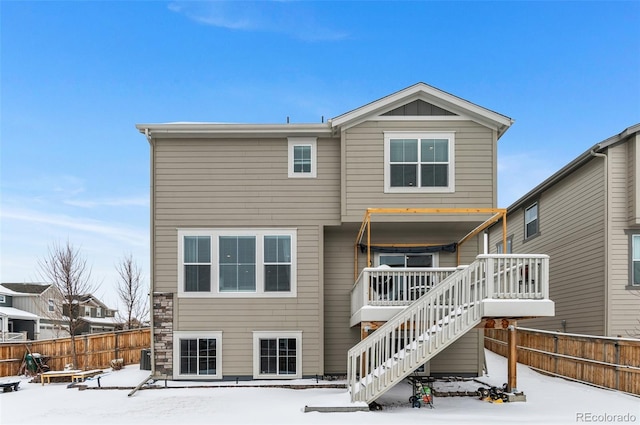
{"x": 549, "y": 401}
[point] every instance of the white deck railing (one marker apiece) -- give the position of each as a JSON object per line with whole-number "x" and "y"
{"x": 13, "y": 336}
{"x": 445, "y": 312}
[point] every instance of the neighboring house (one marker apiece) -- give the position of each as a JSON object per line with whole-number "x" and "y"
{"x": 37, "y": 313}
{"x": 255, "y": 231}
{"x": 586, "y": 217}
{"x": 15, "y": 324}
{"x": 93, "y": 315}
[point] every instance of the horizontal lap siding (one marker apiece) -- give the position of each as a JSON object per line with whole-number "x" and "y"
{"x": 244, "y": 184}
{"x": 238, "y": 318}
{"x": 338, "y": 276}
{"x": 461, "y": 357}
{"x": 364, "y": 167}
{"x": 571, "y": 222}
{"x": 624, "y": 314}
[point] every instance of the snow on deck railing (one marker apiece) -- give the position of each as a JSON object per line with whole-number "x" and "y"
{"x": 445, "y": 312}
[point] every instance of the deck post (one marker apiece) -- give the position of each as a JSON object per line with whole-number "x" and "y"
{"x": 512, "y": 359}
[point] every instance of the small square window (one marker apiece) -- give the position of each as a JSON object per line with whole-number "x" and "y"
{"x": 302, "y": 157}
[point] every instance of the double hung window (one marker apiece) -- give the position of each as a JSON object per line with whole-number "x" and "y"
{"x": 419, "y": 162}
{"x": 237, "y": 263}
{"x": 302, "y": 157}
{"x": 531, "y": 227}
{"x": 635, "y": 260}
{"x": 500, "y": 247}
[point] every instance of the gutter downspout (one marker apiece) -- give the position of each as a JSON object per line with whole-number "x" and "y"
{"x": 151, "y": 263}
{"x": 606, "y": 237}
{"x": 152, "y": 223}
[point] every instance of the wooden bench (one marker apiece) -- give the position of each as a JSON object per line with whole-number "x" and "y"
{"x": 9, "y": 386}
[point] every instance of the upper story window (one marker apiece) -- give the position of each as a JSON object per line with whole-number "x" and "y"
{"x": 237, "y": 263}
{"x": 419, "y": 162}
{"x": 50, "y": 305}
{"x": 531, "y": 227}
{"x": 98, "y": 312}
{"x": 302, "y": 157}
{"x": 500, "y": 247}
{"x": 3, "y": 299}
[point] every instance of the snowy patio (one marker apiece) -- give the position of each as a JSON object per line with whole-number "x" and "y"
{"x": 549, "y": 400}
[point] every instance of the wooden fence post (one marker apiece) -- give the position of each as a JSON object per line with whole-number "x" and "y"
{"x": 512, "y": 359}
{"x": 617, "y": 368}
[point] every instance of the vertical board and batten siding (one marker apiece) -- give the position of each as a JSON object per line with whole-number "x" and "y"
{"x": 623, "y": 312}
{"x": 571, "y": 218}
{"x": 363, "y": 169}
{"x": 245, "y": 184}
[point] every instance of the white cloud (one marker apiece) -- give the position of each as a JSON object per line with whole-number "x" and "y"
{"x": 136, "y": 237}
{"x": 142, "y": 201}
{"x": 291, "y": 18}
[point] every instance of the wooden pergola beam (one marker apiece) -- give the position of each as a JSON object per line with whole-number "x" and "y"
{"x": 498, "y": 214}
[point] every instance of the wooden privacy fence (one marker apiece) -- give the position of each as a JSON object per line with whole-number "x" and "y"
{"x": 601, "y": 361}
{"x": 94, "y": 350}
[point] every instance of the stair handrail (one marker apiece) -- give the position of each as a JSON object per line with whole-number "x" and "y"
{"x": 430, "y": 324}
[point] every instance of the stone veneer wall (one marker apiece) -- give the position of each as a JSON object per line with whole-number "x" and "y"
{"x": 163, "y": 334}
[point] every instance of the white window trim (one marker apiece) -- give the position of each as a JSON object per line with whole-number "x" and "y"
{"x": 215, "y": 290}
{"x": 450, "y": 135}
{"x": 258, "y": 335}
{"x": 3, "y": 299}
{"x": 178, "y": 335}
{"x": 303, "y": 141}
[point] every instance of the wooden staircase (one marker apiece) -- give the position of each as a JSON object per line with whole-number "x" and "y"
{"x": 442, "y": 315}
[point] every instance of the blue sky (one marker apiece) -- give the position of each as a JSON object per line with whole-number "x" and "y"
{"x": 77, "y": 76}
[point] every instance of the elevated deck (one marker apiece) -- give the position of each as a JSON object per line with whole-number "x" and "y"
{"x": 517, "y": 285}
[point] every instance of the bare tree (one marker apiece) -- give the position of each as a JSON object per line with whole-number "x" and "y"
{"x": 132, "y": 292}
{"x": 67, "y": 270}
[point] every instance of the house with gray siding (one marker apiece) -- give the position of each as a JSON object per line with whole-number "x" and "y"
{"x": 347, "y": 247}
{"x": 34, "y": 310}
{"x": 586, "y": 217}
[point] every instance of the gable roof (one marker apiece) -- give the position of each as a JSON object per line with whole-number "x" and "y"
{"x": 89, "y": 299}
{"x": 446, "y": 103}
{"x": 27, "y": 288}
{"x": 417, "y": 100}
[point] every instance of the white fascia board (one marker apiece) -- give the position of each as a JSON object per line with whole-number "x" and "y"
{"x": 233, "y": 130}
{"x": 429, "y": 94}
